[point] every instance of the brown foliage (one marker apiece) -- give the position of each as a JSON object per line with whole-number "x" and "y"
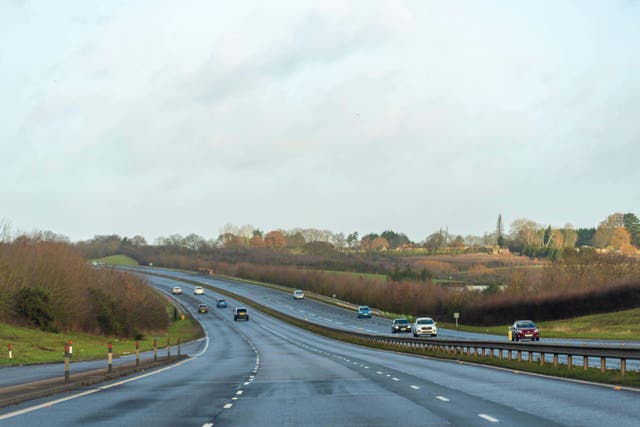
{"x": 75, "y": 291}
{"x": 275, "y": 239}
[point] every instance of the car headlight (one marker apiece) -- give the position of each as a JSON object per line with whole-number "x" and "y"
{"x": 536, "y": 330}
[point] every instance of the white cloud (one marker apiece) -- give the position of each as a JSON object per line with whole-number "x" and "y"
{"x": 151, "y": 118}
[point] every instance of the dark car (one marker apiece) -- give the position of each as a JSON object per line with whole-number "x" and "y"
{"x": 400, "y": 325}
{"x": 221, "y": 303}
{"x": 364, "y": 311}
{"x": 240, "y": 313}
{"x": 203, "y": 308}
{"x": 524, "y": 330}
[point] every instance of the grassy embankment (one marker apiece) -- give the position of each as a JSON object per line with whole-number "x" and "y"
{"x": 117, "y": 260}
{"x": 36, "y": 346}
{"x": 620, "y": 325}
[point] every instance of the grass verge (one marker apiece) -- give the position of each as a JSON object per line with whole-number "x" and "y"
{"x": 619, "y": 325}
{"x": 32, "y": 346}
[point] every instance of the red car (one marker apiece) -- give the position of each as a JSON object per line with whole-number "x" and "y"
{"x": 524, "y": 330}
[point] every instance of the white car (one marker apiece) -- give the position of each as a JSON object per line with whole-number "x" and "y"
{"x": 298, "y": 294}
{"x": 198, "y": 290}
{"x": 424, "y": 326}
{"x": 177, "y": 290}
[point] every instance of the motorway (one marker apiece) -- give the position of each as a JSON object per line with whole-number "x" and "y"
{"x": 266, "y": 372}
{"x": 342, "y": 318}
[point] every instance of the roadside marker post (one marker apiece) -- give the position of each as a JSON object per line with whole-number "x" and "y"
{"x": 179, "y": 347}
{"x": 109, "y": 357}
{"x": 137, "y": 353}
{"x": 456, "y": 316}
{"x": 70, "y": 348}
{"x": 168, "y": 349}
{"x": 10, "y": 352}
{"x": 155, "y": 349}
{"x": 66, "y": 363}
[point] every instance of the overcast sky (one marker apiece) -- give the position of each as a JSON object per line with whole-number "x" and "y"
{"x": 161, "y": 117}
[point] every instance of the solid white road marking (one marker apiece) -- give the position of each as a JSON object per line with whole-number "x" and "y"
{"x": 415, "y": 387}
{"x": 228, "y": 405}
{"x": 444, "y": 399}
{"x": 239, "y": 392}
{"x": 488, "y": 418}
{"x": 246, "y": 383}
{"x": 207, "y": 425}
{"x": 88, "y": 392}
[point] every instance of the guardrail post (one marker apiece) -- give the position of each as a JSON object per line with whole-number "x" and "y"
{"x": 109, "y": 357}
{"x": 585, "y": 362}
{"x": 137, "y": 353}
{"x": 500, "y": 354}
{"x": 66, "y": 363}
{"x": 569, "y": 361}
{"x": 530, "y": 357}
{"x": 541, "y": 359}
{"x": 603, "y": 364}
{"x": 519, "y": 356}
{"x": 475, "y": 351}
{"x": 510, "y": 354}
{"x": 490, "y": 353}
{"x": 555, "y": 359}
{"x": 623, "y": 366}
{"x": 155, "y": 349}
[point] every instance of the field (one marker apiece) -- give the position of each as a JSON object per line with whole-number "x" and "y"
{"x": 373, "y": 276}
{"x": 117, "y": 260}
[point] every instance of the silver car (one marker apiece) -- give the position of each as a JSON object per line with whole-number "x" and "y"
{"x": 424, "y": 326}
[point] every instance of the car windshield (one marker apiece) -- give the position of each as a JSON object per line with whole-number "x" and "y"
{"x": 364, "y": 309}
{"x": 425, "y": 322}
{"x": 526, "y": 324}
{"x": 402, "y": 321}
{"x": 221, "y": 301}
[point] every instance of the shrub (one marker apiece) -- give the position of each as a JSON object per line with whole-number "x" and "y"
{"x": 33, "y": 304}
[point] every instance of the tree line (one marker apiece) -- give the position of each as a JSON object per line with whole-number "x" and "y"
{"x": 49, "y": 285}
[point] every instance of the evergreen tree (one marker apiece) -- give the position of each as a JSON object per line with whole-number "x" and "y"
{"x": 632, "y": 224}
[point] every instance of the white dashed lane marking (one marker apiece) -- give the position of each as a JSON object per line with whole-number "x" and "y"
{"x": 488, "y": 418}
{"x": 378, "y": 372}
{"x": 444, "y": 399}
{"x": 395, "y": 379}
{"x": 228, "y": 405}
{"x": 239, "y": 392}
{"x": 415, "y": 387}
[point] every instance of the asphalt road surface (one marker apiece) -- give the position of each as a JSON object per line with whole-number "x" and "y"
{"x": 268, "y": 373}
{"x": 337, "y": 317}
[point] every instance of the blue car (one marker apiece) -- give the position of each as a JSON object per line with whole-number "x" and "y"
{"x": 364, "y": 311}
{"x": 221, "y": 303}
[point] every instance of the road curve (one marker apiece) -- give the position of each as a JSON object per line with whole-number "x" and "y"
{"x": 266, "y": 372}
